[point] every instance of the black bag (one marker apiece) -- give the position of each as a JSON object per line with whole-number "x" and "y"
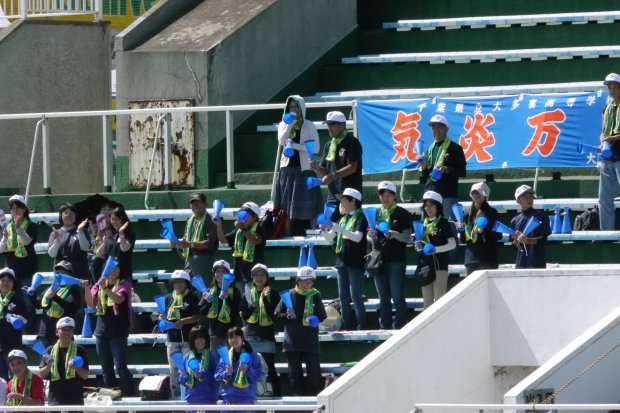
{"x": 425, "y": 272}
{"x": 155, "y": 388}
{"x": 587, "y": 221}
{"x": 374, "y": 260}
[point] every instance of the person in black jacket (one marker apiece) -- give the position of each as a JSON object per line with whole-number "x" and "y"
{"x": 481, "y": 243}
{"x": 120, "y": 243}
{"x": 530, "y": 247}
{"x": 257, "y": 308}
{"x": 301, "y": 340}
{"x": 18, "y": 240}
{"x": 70, "y": 242}
{"x": 11, "y": 302}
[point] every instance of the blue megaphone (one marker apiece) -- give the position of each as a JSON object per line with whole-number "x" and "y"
{"x": 15, "y": 320}
{"x": 482, "y": 222}
{"x": 457, "y": 210}
{"x": 177, "y": 359}
{"x": 223, "y": 352}
{"x": 429, "y": 249}
{"x": 194, "y": 365}
{"x": 557, "y": 221}
{"x": 226, "y": 282}
{"x": 566, "y": 226}
{"x": 303, "y": 256}
{"x": 165, "y": 325}
{"x": 287, "y": 300}
{"x": 289, "y": 118}
{"x": 326, "y": 216}
{"x": 418, "y": 147}
{"x": 288, "y": 149}
{"x": 309, "y": 144}
{"x": 312, "y": 182}
{"x": 65, "y": 279}
{"x": 371, "y": 216}
{"x": 502, "y": 228}
{"x": 78, "y": 362}
{"x": 244, "y": 359}
{"x": 37, "y": 279}
{"x": 160, "y": 300}
{"x": 311, "y": 262}
{"x": 242, "y": 215}
{"x": 218, "y": 206}
{"x": 109, "y": 266}
{"x": 418, "y": 230}
{"x": 606, "y": 152}
{"x": 531, "y": 225}
{"x": 384, "y": 227}
{"x": 87, "y": 328}
{"x": 314, "y": 321}
{"x": 585, "y": 149}
{"x": 39, "y": 348}
{"x": 199, "y": 284}
{"x": 436, "y": 174}
{"x": 167, "y": 231}
{"x": 55, "y": 283}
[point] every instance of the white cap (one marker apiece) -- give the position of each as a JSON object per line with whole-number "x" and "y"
{"x": 336, "y": 116}
{"x": 433, "y": 196}
{"x": 438, "y": 119}
{"x": 8, "y": 271}
{"x": 612, "y": 77}
{"x": 180, "y": 275}
{"x": 17, "y": 354}
{"x": 482, "y": 188}
{"x": 260, "y": 267}
{"x": 387, "y": 185}
{"x": 221, "y": 263}
{"x": 17, "y": 198}
{"x": 522, "y": 190}
{"x": 306, "y": 273}
{"x": 252, "y": 207}
{"x": 65, "y": 322}
{"x": 353, "y": 193}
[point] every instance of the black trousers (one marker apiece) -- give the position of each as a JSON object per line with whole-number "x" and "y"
{"x": 312, "y": 385}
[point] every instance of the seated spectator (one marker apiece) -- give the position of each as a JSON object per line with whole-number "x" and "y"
{"x": 25, "y": 388}
{"x": 11, "y": 303}
{"x": 66, "y": 374}
{"x": 200, "y": 384}
{"x": 71, "y": 243}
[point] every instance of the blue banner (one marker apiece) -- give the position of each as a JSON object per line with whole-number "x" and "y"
{"x": 495, "y": 132}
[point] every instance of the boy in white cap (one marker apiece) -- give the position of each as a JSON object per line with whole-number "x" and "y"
{"x": 610, "y": 168}
{"x": 66, "y": 365}
{"x": 25, "y": 388}
{"x": 530, "y": 247}
{"x": 341, "y": 166}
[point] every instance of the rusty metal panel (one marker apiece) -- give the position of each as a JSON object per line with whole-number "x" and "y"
{"x": 142, "y": 129}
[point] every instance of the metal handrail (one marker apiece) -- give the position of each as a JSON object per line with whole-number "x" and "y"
{"x": 34, "y": 151}
{"x": 481, "y": 407}
{"x": 150, "y": 407}
{"x": 36, "y": 9}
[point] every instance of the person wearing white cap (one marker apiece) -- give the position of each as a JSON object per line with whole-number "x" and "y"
{"x": 247, "y": 241}
{"x": 66, "y": 365}
{"x": 530, "y": 247}
{"x": 11, "y": 303}
{"x": 341, "y": 166}
{"x": 258, "y": 306}
{"x": 438, "y": 233}
{"x": 350, "y": 247}
{"x": 25, "y": 388}
{"x": 389, "y": 281}
{"x": 291, "y": 191}
{"x": 18, "y": 240}
{"x": 182, "y": 305}
{"x": 301, "y": 339}
{"x": 220, "y": 308}
{"x": 610, "y": 167}
{"x": 476, "y": 231}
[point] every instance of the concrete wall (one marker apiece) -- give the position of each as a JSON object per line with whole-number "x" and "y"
{"x": 54, "y": 67}
{"x": 225, "y": 52}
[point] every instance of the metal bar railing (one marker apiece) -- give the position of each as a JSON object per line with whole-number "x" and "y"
{"x": 422, "y": 407}
{"x": 34, "y": 151}
{"x": 37, "y": 8}
{"x": 172, "y": 407}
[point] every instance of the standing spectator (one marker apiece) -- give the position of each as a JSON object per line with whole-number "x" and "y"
{"x": 221, "y": 308}
{"x": 350, "y": 247}
{"x": 25, "y": 388}
{"x": 341, "y": 166}
{"x": 18, "y": 239}
{"x": 98, "y": 231}
{"x": 3, "y": 388}
{"x": 70, "y": 243}
{"x": 182, "y": 307}
{"x": 292, "y": 193}
{"x": 301, "y": 341}
{"x": 530, "y": 248}
{"x": 67, "y": 379}
{"x": 437, "y": 231}
{"x": 610, "y": 168}
{"x": 481, "y": 243}
{"x": 111, "y": 299}
{"x": 201, "y": 387}
{"x": 199, "y": 241}
{"x": 119, "y": 243}
{"x": 389, "y": 282}
{"x": 64, "y": 302}
{"x": 11, "y": 302}
{"x": 247, "y": 241}
{"x": 257, "y": 308}
{"x": 239, "y": 380}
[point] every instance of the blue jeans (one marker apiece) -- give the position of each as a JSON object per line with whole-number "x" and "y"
{"x": 112, "y": 352}
{"x": 350, "y": 281}
{"x": 610, "y": 177}
{"x": 390, "y": 287}
{"x": 447, "y": 212}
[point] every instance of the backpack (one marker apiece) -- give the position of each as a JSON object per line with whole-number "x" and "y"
{"x": 273, "y": 223}
{"x": 587, "y": 221}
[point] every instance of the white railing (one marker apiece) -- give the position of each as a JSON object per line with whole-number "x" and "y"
{"x": 24, "y": 9}
{"x": 429, "y": 407}
{"x": 155, "y": 407}
{"x": 106, "y": 115}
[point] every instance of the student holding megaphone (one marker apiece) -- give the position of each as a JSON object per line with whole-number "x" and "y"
{"x": 119, "y": 243}
{"x": 66, "y": 366}
{"x": 531, "y": 231}
{"x": 13, "y": 311}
